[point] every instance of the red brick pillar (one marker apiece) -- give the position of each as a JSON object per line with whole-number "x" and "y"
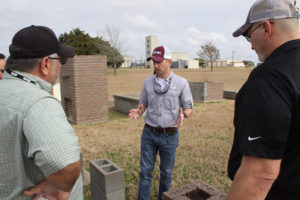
{"x": 84, "y": 89}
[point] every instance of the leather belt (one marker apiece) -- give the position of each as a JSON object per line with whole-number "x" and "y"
{"x": 160, "y": 130}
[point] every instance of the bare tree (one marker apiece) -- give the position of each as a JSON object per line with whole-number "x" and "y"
{"x": 209, "y": 52}
{"x": 113, "y": 36}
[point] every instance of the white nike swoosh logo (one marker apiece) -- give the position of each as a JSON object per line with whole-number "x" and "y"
{"x": 255, "y": 138}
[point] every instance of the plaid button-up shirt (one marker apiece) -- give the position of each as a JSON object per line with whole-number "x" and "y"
{"x": 36, "y": 139}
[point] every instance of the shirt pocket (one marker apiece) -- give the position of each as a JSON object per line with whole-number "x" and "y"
{"x": 152, "y": 100}
{"x": 171, "y": 100}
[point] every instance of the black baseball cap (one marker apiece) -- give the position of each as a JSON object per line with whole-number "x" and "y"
{"x": 37, "y": 42}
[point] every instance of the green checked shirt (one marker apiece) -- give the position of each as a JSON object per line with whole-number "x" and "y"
{"x": 36, "y": 139}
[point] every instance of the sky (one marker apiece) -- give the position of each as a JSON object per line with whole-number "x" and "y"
{"x": 181, "y": 25}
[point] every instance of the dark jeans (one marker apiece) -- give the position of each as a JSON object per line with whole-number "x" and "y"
{"x": 151, "y": 143}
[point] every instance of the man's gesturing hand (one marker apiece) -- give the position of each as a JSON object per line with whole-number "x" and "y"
{"x": 180, "y": 118}
{"x": 134, "y": 113}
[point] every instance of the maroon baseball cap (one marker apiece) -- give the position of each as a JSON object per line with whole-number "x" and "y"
{"x": 160, "y": 53}
{"x": 37, "y": 42}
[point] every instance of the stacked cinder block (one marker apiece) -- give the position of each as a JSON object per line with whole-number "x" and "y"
{"x": 107, "y": 180}
{"x": 197, "y": 190}
{"x": 207, "y": 91}
{"x": 83, "y": 81}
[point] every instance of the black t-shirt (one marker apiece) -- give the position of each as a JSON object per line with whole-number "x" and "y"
{"x": 267, "y": 119}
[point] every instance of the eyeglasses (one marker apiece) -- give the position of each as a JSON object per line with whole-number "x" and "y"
{"x": 62, "y": 60}
{"x": 2, "y": 70}
{"x": 247, "y": 35}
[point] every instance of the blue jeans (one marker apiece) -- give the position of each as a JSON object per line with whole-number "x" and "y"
{"x": 153, "y": 142}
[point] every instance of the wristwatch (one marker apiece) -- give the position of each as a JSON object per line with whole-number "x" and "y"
{"x": 185, "y": 115}
{"x": 141, "y": 113}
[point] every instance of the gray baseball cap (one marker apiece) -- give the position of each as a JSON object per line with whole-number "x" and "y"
{"x": 268, "y": 10}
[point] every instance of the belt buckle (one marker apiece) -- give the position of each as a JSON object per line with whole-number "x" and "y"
{"x": 158, "y": 130}
{"x": 162, "y": 130}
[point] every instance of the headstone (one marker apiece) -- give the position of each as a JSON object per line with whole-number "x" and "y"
{"x": 125, "y": 102}
{"x": 229, "y": 94}
{"x": 207, "y": 91}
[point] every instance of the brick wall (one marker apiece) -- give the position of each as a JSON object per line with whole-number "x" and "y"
{"x": 84, "y": 89}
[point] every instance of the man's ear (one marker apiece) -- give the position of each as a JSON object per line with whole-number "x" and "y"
{"x": 268, "y": 29}
{"x": 45, "y": 66}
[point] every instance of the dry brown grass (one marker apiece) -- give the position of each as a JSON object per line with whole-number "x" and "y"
{"x": 131, "y": 80}
{"x": 204, "y": 143}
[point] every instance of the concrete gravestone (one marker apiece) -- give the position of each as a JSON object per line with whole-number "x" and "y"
{"x": 207, "y": 91}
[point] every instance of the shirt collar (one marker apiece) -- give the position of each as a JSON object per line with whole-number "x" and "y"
{"x": 284, "y": 47}
{"x": 44, "y": 85}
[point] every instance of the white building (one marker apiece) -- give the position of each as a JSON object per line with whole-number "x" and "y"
{"x": 181, "y": 60}
{"x": 193, "y": 64}
{"x": 176, "y": 56}
{"x": 227, "y": 63}
{"x": 150, "y": 44}
{"x": 237, "y": 63}
{"x": 127, "y": 61}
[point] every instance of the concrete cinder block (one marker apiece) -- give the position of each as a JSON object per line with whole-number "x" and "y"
{"x": 229, "y": 94}
{"x": 107, "y": 175}
{"x": 182, "y": 198}
{"x": 220, "y": 196}
{"x": 99, "y": 194}
{"x": 195, "y": 190}
{"x": 206, "y": 188}
{"x": 178, "y": 192}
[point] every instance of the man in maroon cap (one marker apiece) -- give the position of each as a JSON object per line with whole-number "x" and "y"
{"x": 168, "y": 100}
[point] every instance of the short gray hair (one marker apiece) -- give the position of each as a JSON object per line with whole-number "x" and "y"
{"x": 22, "y": 65}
